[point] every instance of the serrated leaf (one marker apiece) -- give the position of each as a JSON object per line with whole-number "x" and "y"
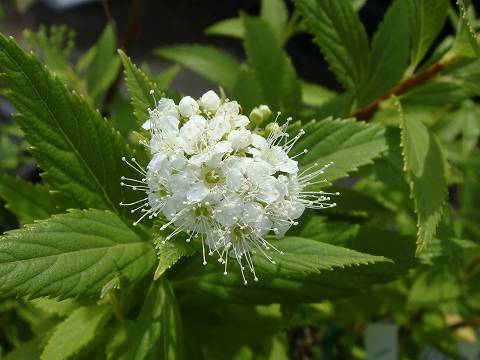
{"x": 229, "y": 27}
{"x": 390, "y": 52}
{"x": 349, "y": 144}
{"x": 208, "y": 286}
{"x": 78, "y": 150}
{"x": 76, "y": 331}
{"x": 275, "y": 14}
{"x": 424, "y": 165}
{"x": 139, "y": 87}
{"x": 427, "y": 18}
{"x": 304, "y": 256}
{"x": 27, "y": 201}
{"x": 158, "y": 330}
{"x": 104, "y": 65}
{"x": 272, "y": 68}
{"x": 54, "y": 45}
{"x": 467, "y": 42}
{"x": 208, "y": 61}
{"x": 71, "y": 255}
{"x": 169, "y": 253}
{"x": 338, "y": 32}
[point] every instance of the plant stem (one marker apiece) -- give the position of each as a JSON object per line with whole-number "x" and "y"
{"x": 407, "y": 84}
{"x": 401, "y": 88}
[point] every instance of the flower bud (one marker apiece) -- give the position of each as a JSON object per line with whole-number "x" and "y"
{"x": 187, "y": 106}
{"x": 260, "y": 114}
{"x": 210, "y": 101}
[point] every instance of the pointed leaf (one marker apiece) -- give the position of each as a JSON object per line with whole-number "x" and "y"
{"x": 78, "y": 150}
{"x": 229, "y": 27}
{"x": 104, "y": 66}
{"x": 424, "y": 164}
{"x": 27, "y": 201}
{"x": 208, "y": 286}
{"x": 427, "y": 18}
{"x": 338, "y": 32}
{"x": 303, "y": 256}
{"x": 272, "y": 68}
{"x": 349, "y": 144}
{"x": 71, "y": 254}
{"x": 211, "y": 63}
{"x": 139, "y": 88}
{"x": 275, "y": 13}
{"x": 390, "y": 52}
{"x": 158, "y": 331}
{"x": 76, "y": 331}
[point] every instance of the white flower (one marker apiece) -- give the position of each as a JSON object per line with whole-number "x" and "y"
{"x": 240, "y": 138}
{"x": 187, "y": 106}
{"x": 214, "y": 179}
{"x": 210, "y": 101}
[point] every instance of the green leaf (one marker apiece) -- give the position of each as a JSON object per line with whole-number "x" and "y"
{"x": 139, "y": 88}
{"x": 303, "y": 256}
{"x": 275, "y": 14}
{"x": 166, "y": 77}
{"x": 27, "y": 201}
{"x": 335, "y": 233}
{"x": 315, "y": 95}
{"x": 347, "y": 143}
{"x": 78, "y": 150}
{"x": 272, "y": 68}
{"x": 57, "y": 307}
{"x": 390, "y": 52}
{"x": 247, "y": 91}
{"x": 54, "y": 45}
{"x": 76, "y": 331}
{"x": 72, "y": 254}
{"x": 27, "y": 350}
{"x": 104, "y": 66}
{"x": 211, "y": 63}
{"x": 169, "y": 253}
{"x": 434, "y": 287}
{"x": 229, "y": 27}
{"x": 424, "y": 164}
{"x": 158, "y": 330}
{"x": 338, "y": 32}
{"x": 467, "y": 42}
{"x": 208, "y": 286}
{"x": 427, "y": 18}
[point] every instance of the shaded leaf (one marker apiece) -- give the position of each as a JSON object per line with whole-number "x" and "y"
{"x": 211, "y": 63}
{"x": 76, "y": 331}
{"x": 27, "y": 201}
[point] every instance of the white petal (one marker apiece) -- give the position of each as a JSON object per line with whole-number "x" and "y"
{"x": 197, "y": 192}
{"x": 187, "y": 106}
{"x": 210, "y": 101}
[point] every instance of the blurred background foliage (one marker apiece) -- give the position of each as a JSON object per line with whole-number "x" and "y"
{"x": 185, "y": 47}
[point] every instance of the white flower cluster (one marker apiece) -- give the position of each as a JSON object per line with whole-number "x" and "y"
{"x": 215, "y": 179}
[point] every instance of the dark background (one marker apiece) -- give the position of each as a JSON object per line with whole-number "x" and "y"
{"x": 145, "y": 24}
